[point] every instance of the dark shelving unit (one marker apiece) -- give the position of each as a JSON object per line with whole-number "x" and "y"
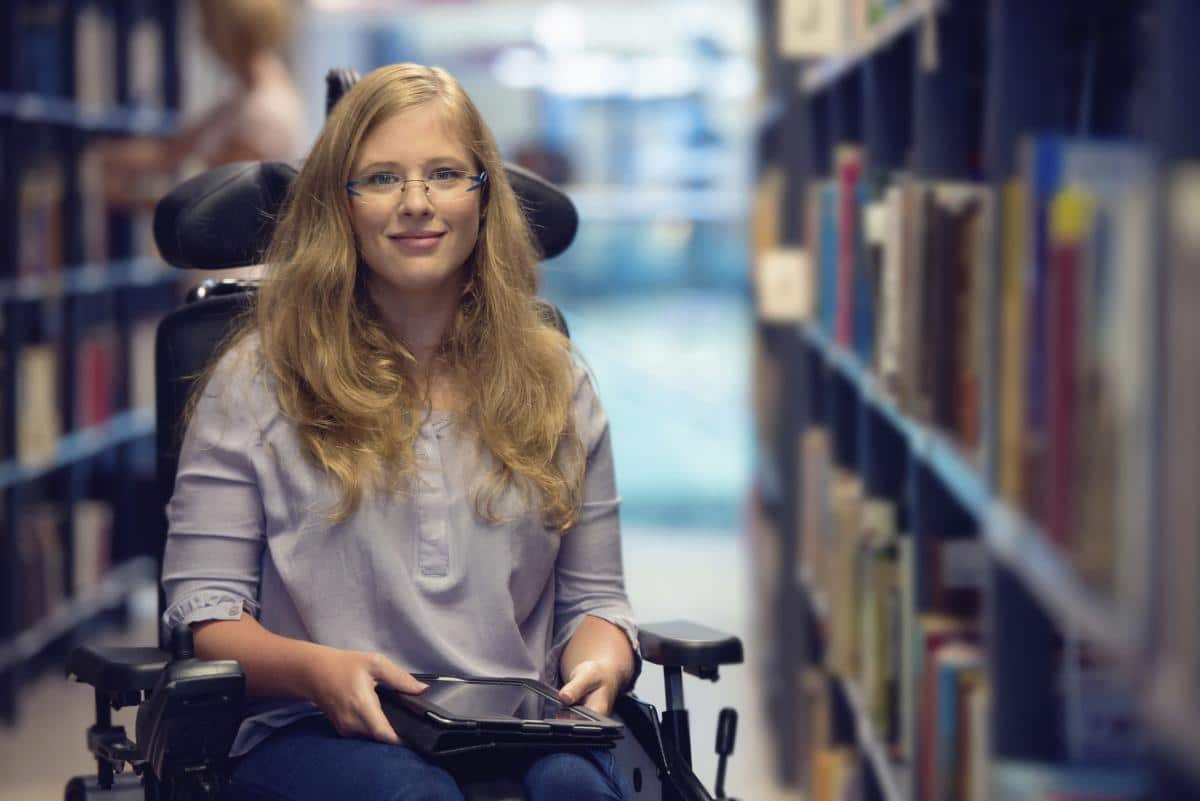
{"x": 47, "y": 118}
{"x": 1004, "y": 69}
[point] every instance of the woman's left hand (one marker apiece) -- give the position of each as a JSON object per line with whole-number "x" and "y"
{"x": 594, "y": 684}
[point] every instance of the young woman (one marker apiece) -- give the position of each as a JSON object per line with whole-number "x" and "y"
{"x": 397, "y": 466}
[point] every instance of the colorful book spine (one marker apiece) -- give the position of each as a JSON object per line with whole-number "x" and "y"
{"x": 849, "y": 173}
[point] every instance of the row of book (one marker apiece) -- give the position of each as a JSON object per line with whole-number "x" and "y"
{"x": 51, "y": 35}
{"x": 913, "y": 277}
{"x": 47, "y": 552}
{"x": 100, "y": 367}
{"x": 42, "y": 227}
{"x": 921, "y": 668}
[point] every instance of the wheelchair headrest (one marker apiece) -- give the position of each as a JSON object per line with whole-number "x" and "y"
{"x": 337, "y": 82}
{"x": 225, "y": 217}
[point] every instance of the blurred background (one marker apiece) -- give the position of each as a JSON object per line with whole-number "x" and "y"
{"x": 889, "y": 303}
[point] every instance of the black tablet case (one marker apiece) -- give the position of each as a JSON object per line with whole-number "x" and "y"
{"x": 433, "y": 733}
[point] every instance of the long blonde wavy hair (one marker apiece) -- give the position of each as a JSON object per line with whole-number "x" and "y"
{"x": 352, "y": 388}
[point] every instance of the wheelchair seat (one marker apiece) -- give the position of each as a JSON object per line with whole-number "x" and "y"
{"x": 189, "y": 709}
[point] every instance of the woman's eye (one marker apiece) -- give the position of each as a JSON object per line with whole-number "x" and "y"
{"x": 382, "y": 179}
{"x": 445, "y": 174}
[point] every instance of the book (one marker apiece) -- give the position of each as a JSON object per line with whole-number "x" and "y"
{"x": 1177, "y": 639}
{"x": 956, "y": 252}
{"x": 42, "y": 567}
{"x": 956, "y": 667}
{"x": 93, "y": 207}
{"x": 91, "y": 546}
{"x": 1013, "y": 339}
{"x": 892, "y": 279}
{"x": 95, "y": 67}
{"x": 141, "y": 363}
{"x": 146, "y": 63}
{"x": 40, "y": 219}
{"x": 848, "y": 167}
{"x": 827, "y": 255}
{"x": 38, "y": 423}
{"x": 1048, "y": 164}
{"x": 842, "y": 655}
{"x": 96, "y": 369}
{"x": 41, "y": 47}
{"x": 832, "y": 771}
{"x": 935, "y": 633}
{"x": 877, "y": 589}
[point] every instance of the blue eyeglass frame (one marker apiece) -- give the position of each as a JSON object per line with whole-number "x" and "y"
{"x": 477, "y": 181}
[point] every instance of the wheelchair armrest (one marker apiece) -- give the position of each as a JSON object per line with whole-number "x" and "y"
{"x": 697, "y": 649}
{"x": 116, "y": 669}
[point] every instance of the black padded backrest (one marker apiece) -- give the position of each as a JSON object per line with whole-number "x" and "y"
{"x": 224, "y": 217}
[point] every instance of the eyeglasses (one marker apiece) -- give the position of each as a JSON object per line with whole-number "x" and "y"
{"x": 442, "y": 183}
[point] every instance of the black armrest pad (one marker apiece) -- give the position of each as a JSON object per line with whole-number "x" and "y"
{"x": 122, "y": 669}
{"x": 679, "y": 643}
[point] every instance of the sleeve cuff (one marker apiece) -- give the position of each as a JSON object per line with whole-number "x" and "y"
{"x": 206, "y": 605}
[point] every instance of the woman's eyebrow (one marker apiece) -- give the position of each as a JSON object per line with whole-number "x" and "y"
{"x": 395, "y": 165}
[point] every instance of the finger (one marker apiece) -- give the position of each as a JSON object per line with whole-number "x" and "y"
{"x": 387, "y": 671}
{"x": 580, "y": 686}
{"x": 376, "y": 723}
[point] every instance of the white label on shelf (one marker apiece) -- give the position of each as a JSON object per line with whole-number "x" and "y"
{"x": 784, "y": 285}
{"x": 812, "y": 27}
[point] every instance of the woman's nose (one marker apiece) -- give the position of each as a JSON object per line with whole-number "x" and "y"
{"x": 414, "y": 198}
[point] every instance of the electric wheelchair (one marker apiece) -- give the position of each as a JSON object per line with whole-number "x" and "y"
{"x": 189, "y": 709}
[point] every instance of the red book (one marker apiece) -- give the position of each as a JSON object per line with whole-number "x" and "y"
{"x": 1068, "y": 214}
{"x": 849, "y": 170}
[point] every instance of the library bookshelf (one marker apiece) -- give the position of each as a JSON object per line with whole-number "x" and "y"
{"x": 973, "y": 532}
{"x": 81, "y": 291}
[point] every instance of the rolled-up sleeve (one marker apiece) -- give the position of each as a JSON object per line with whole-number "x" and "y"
{"x": 589, "y": 574}
{"x": 212, "y": 562}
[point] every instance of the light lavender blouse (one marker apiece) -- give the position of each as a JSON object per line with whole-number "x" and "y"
{"x": 418, "y": 576}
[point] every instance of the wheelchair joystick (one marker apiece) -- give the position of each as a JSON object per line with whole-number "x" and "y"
{"x": 726, "y": 734}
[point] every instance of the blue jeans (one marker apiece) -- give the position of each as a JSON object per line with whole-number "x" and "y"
{"x": 309, "y": 760}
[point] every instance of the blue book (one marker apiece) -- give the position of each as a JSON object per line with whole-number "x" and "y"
{"x": 864, "y": 287}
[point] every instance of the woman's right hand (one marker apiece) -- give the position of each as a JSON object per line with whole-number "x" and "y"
{"x": 342, "y": 683}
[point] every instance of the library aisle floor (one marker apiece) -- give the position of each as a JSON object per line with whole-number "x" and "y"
{"x": 706, "y": 581}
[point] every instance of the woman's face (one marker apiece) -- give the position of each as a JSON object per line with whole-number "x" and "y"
{"x": 415, "y": 243}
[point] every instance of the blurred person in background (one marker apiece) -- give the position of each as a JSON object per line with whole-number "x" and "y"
{"x": 262, "y": 118}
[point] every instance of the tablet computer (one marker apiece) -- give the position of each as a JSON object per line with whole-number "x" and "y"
{"x": 460, "y": 715}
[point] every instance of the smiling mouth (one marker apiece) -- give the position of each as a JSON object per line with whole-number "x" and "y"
{"x": 417, "y": 243}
